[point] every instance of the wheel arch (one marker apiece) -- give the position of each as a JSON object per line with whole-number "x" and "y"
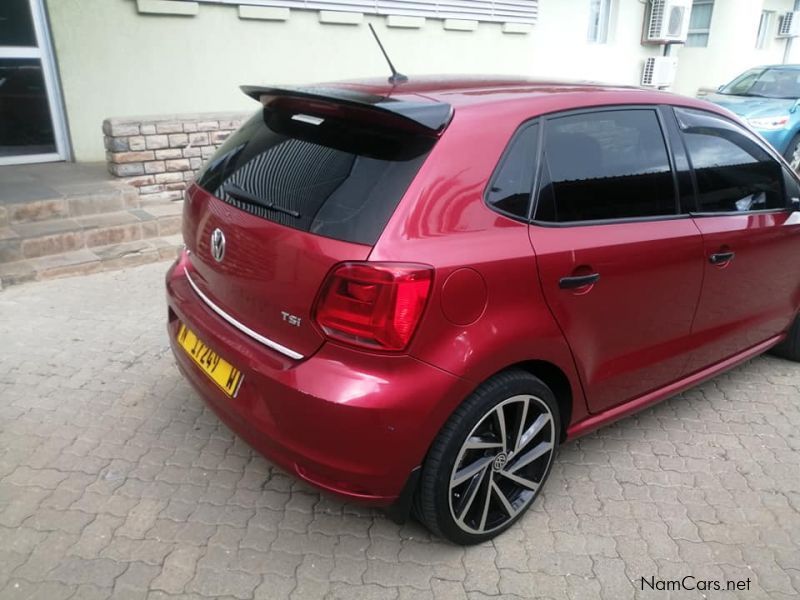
{"x": 554, "y": 378}
{"x": 551, "y": 375}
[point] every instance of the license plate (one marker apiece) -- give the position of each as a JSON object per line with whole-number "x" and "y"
{"x": 219, "y": 370}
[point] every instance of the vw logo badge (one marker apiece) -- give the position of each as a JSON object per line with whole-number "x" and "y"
{"x": 218, "y": 245}
{"x": 500, "y": 461}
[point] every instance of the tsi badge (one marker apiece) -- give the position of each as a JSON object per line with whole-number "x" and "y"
{"x": 218, "y": 244}
{"x": 291, "y": 319}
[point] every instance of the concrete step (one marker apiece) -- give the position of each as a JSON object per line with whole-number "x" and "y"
{"x": 31, "y": 204}
{"x": 42, "y": 192}
{"x": 90, "y": 260}
{"x": 36, "y": 239}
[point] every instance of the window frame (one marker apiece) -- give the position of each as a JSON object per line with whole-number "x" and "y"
{"x": 655, "y": 108}
{"x": 504, "y": 157}
{"x": 769, "y": 150}
{"x": 706, "y": 31}
{"x": 764, "y": 27}
{"x": 603, "y": 22}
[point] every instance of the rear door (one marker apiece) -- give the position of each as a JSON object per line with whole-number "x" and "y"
{"x": 303, "y": 185}
{"x": 620, "y": 265}
{"x": 751, "y": 239}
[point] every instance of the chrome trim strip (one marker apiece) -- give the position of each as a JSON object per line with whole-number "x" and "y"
{"x": 240, "y": 326}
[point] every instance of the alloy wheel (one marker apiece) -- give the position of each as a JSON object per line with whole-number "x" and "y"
{"x": 501, "y": 464}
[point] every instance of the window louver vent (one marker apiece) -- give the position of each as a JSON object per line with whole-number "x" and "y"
{"x": 507, "y": 11}
{"x": 656, "y": 19}
{"x": 785, "y": 29}
{"x": 647, "y": 73}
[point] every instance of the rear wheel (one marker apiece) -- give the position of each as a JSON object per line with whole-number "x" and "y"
{"x": 792, "y": 154}
{"x": 790, "y": 347}
{"x": 490, "y": 460}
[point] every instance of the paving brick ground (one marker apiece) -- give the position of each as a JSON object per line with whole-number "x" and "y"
{"x": 116, "y": 481}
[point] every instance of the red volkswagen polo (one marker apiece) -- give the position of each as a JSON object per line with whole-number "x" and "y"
{"x": 410, "y": 295}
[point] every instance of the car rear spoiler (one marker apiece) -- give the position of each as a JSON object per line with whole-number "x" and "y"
{"x": 428, "y": 118}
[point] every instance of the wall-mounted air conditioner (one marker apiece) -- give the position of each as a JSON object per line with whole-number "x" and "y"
{"x": 659, "y": 71}
{"x": 789, "y": 25}
{"x": 668, "y": 21}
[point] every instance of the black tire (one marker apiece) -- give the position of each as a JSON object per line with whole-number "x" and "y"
{"x": 489, "y": 493}
{"x": 792, "y": 154}
{"x": 790, "y": 347}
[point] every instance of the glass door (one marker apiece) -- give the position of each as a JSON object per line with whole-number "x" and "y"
{"x": 31, "y": 115}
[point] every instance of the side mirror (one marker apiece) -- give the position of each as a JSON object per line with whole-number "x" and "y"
{"x": 794, "y": 204}
{"x": 719, "y": 89}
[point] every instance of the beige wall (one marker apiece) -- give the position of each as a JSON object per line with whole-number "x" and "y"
{"x": 115, "y": 62}
{"x": 732, "y": 45}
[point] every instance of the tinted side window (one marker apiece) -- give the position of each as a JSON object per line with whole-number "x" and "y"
{"x": 605, "y": 165}
{"x": 734, "y": 173}
{"x": 510, "y": 188}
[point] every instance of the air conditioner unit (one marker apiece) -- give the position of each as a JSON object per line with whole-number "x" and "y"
{"x": 789, "y": 25}
{"x": 659, "y": 71}
{"x": 668, "y": 21}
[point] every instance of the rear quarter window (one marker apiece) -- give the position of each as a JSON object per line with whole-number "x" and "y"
{"x": 330, "y": 177}
{"x": 510, "y": 187}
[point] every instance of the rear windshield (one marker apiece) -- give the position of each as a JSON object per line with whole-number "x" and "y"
{"x": 332, "y": 177}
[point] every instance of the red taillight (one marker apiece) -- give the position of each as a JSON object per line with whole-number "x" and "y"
{"x": 374, "y": 305}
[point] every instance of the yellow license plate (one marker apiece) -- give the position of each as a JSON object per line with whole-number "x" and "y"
{"x": 219, "y": 370}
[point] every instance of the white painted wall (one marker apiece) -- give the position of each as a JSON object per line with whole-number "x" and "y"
{"x": 560, "y": 47}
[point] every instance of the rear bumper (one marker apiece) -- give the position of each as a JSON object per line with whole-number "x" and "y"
{"x": 349, "y": 422}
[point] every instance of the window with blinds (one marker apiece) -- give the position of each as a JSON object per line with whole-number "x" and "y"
{"x": 505, "y": 11}
{"x": 700, "y": 23}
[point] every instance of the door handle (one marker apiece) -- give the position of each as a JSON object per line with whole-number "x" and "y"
{"x": 721, "y": 257}
{"x": 571, "y": 283}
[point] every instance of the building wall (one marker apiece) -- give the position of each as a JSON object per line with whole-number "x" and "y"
{"x": 732, "y": 45}
{"x": 115, "y": 61}
{"x": 559, "y": 46}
